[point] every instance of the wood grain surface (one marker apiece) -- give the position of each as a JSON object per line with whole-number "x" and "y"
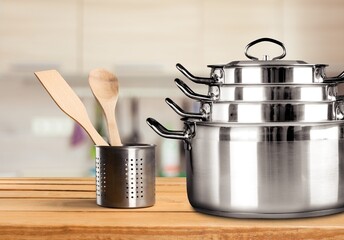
{"x": 65, "y": 208}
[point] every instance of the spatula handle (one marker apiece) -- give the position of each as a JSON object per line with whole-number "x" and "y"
{"x": 67, "y": 100}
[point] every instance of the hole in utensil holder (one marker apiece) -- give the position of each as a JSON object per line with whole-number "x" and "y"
{"x": 135, "y": 171}
{"x": 100, "y": 178}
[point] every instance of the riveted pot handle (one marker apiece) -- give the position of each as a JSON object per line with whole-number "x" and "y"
{"x": 163, "y": 132}
{"x": 265, "y": 40}
{"x": 191, "y": 94}
{"x": 201, "y": 80}
{"x": 182, "y": 113}
{"x": 339, "y": 78}
{"x": 340, "y": 110}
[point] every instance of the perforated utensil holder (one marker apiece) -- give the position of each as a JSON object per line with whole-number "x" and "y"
{"x": 125, "y": 176}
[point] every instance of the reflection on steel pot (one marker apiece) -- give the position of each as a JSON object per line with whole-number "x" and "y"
{"x": 264, "y": 71}
{"x": 260, "y": 112}
{"x": 271, "y": 92}
{"x": 275, "y": 112}
{"x": 266, "y": 170}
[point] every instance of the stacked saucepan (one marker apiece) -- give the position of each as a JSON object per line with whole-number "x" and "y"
{"x": 267, "y": 141}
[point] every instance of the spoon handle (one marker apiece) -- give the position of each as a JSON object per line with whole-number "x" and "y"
{"x": 115, "y": 139}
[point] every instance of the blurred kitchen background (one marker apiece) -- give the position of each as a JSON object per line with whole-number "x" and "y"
{"x": 140, "y": 41}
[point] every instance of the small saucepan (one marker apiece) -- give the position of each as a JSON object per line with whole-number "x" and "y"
{"x": 264, "y": 71}
{"x": 260, "y": 112}
{"x": 273, "y": 92}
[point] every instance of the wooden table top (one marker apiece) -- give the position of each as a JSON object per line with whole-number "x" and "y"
{"x": 65, "y": 208}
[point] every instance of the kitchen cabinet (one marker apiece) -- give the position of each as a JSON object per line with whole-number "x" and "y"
{"x": 150, "y": 37}
{"x": 142, "y": 37}
{"x": 65, "y": 208}
{"x": 38, "y": 34}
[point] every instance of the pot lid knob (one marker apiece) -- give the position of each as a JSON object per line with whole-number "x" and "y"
{"x": 265, "y": 40}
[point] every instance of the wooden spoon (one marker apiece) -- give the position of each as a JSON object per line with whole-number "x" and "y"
{"x": 68, "y": 102}
{"x": 104, "y": 86}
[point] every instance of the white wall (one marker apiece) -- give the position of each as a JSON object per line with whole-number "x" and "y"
{"x": 141, "y": 41}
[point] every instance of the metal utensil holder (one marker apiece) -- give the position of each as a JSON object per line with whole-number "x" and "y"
{"x": 125, "y": 176}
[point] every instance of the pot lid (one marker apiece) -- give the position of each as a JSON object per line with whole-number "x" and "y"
{"x": 266, "y": 61}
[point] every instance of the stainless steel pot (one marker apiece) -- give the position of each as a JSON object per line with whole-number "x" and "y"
{"x": 274, "y": 170}
{"x": 264, "y": 71}
{"x": 267, "y": 142}
{"x": 271, "y": 92}
{"x": 261, "y": 112}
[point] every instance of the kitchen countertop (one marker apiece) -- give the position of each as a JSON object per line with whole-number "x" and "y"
{"x": 65, "y": 208}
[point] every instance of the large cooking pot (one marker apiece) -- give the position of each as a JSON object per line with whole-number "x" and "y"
{"x": 279, "y": 170}
{"x": 268, "y": 111}
{"x": 267, "y": 142}
{"x": 264, "y": 71}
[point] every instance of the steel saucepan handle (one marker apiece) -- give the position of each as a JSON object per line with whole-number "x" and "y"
{"x": 339, "y": 78}
{"x": 265, "y": 40}
{"x": 182, "y": 113}
{"x": 163, "y": 132}
{"x": 201, "y": 80}
{"x": 339, "y": 109}
{"x": 191, "y": 94}
{"x": 341, "y": 75}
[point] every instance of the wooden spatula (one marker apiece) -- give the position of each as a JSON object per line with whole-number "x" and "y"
{"x": 68, "y": 102}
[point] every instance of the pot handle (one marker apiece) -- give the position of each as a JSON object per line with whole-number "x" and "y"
{"x": 163, "y": 132}
{"x": 182, "y": 113}
{"x": 340, "y": 77}
{"x": 186, "y": 73}
{"x": 265, "y": 40}
{"x": 191, "y": 94}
